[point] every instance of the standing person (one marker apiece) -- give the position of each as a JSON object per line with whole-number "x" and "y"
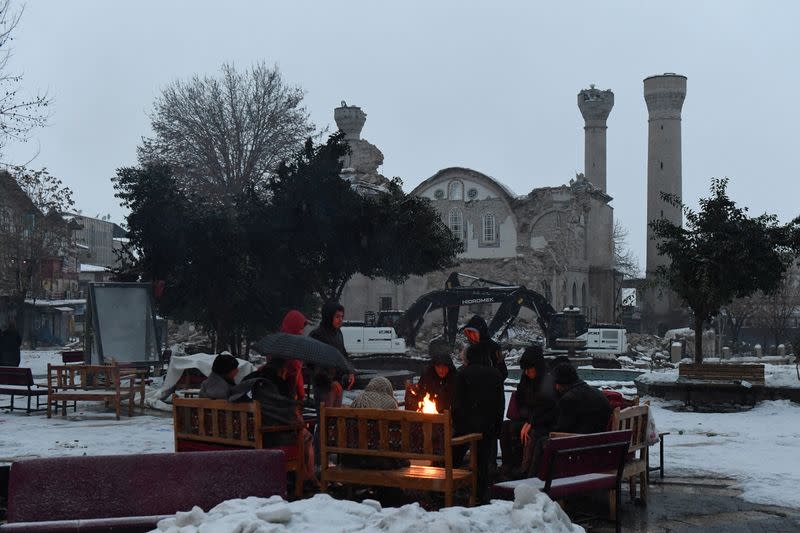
{"x": 478, "y": 408}
{"x": 477, "y": 333}
{"x": 10, "y": 343}
{"x": 328, "y": 383}
{"x": 293, "y": 323}
{"x": 581, "y": 408}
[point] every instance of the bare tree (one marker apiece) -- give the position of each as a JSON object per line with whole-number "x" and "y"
{"x": 776, "y": 311}
{"x": 221, "y": 134}
{"x": 18, "y": 114}
{"x": 625, "y": 261}
{"x": 738, "y": 313}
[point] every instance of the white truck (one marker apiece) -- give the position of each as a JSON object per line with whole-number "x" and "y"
{"x": 362, "y": 339}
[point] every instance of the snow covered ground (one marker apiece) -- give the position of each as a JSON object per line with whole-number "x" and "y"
{"x": 760, "y": 448}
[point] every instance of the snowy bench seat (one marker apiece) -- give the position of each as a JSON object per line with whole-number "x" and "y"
{"x": 394, "y": 436}
{"x": 578, "y": 464}
{"x": 132, "y": 492}
{"x": 19, "y": 382}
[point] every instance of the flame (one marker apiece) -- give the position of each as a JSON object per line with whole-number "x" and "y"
{"x": 426, "y": 405}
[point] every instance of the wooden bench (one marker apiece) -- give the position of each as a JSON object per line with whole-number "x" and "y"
{"x": 635, "y": 419}
{"x": 578, "y": 464}
{"x": 16, "y": 381}
{"x": 131, "y": 493}
{"x": 722, "y": 372}
{"x": 200, "y": 424}
{"x": 72, "y": 357}
{"x": 399, "y": 435}
{"x": 108, "y": 383}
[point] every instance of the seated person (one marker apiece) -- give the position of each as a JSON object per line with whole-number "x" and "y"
{"x": 272, "y": 388}
{"x": 531, "y": 415}
{"x": 218, "y": 385}
{"x": 379, "y": 394}
{"x": 438, "y": 380}
{"x": 581, "y": 408}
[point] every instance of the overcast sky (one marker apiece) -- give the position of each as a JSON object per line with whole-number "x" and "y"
{"x": 487, "y": 85}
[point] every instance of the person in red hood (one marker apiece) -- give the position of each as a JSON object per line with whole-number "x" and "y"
{"x": 294, "y": 323}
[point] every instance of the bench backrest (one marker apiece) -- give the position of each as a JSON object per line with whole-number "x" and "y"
{"x": 386, "y": 433}
{"x": 634, "y": 419}
{"x": 583, "y": 454}
{"x": 72, "y": 356}
{"x": 84, "y": 377}
{"x": 12, "y": 375}
{"x": 754, "y": 373}
{"x": 216, "y": 421}
{"x": 84, "y": 487}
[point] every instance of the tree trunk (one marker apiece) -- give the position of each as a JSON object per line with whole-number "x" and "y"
{"x": 698, "y": 338}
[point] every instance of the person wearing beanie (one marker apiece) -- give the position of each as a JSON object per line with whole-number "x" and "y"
{"x": 581, "y": 408}
{"x": 218, "y": 385}
{"x": 531, "y": 414}
{"x": 478, "y": 406}
{"x": 477, "y": 333}
{"x": 293, "y": 323}
{"x": 438, "y": 379}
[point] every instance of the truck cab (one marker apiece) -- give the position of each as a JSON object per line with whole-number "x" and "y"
{"x": 375, "y": 335}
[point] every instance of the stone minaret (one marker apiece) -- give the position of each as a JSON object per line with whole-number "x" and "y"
{"x": 595, "y": 106}
{"x": 664, "y": 95}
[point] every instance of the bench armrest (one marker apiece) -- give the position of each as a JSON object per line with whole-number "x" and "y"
{"x": 559, "y": 434}
{"x": 275, "y": 429}
{"x": 463, "y": 439}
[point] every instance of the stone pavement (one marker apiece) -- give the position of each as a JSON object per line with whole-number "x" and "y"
{"x": 677, "y": 505}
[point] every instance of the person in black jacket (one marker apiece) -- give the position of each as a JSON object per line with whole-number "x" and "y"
{"x": 581, "y": 408}
{"x": 438, "y": 379}
{"x": 10, "y": 343}
{"x": 478, "y": 408}
{"x": 533, "y": 415}
{"x": 477, "y": 334}
{"x": 328, "y": 383}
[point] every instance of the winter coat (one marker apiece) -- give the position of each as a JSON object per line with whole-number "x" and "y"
{"x": 536, "y": 404}
{"x": 582, "y": 409}
{"x": 326, "y": 333}
{"x": 293, "y": 323}
{"x": 10, "y": 342}
{"x": 379, "y": 394}
{"x": 442, "y": 390}
{"x": 276, "y": 397}
{"x": 486, "y": 348}
{"x": 215, "y": 387}
{"x": 479, "y": 400}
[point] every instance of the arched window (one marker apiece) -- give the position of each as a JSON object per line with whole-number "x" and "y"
{"x": 489, "y": 230}
{"x": 546, "y": 291}
{"x": 455, "y": 190}
{"x": 563, "y": 294}
{"x": 574, "y": 294}
{"x": 456, "y": 223}
{"x": 584, "y": 302}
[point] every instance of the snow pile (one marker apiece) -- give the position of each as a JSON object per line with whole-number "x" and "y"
{"x": 759, "y": 448}
{"x": 532, "y": 511}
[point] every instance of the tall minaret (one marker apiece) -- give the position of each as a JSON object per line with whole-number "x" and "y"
{"x": 664, "y": 95}
{"x": 595, "y": 106}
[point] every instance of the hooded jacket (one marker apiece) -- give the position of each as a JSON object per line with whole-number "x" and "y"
{"x": 326, "y": 333}
{"x": 442, "y": 390}
{"x": 536, "y": 400}
{"x": 479, "y": 399}
{"x": 278, "y": 408}
{"x": 582, "y": 409}
{"x": 294, "y": 322}
{"x": 486, "y": 348}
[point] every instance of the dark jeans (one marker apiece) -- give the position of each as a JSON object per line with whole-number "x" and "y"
{"x": 511, "y": 446}
{"x": 486, "y": 460}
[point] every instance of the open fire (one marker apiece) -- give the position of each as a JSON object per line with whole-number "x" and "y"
{"x": 427, "y": 405}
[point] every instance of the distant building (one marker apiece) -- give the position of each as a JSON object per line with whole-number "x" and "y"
{"x": 97, "y": 240}
{"x": 555, "y": 240}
